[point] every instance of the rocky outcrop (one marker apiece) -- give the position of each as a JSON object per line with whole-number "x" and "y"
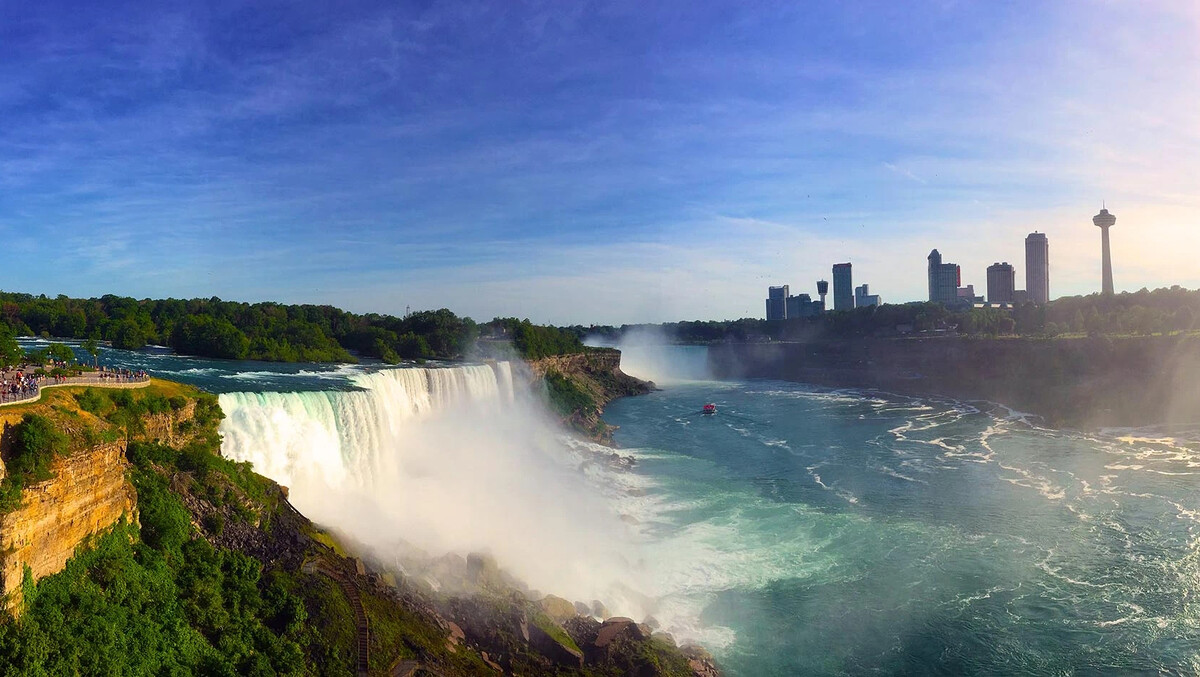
{"x": 579, "y": 385}
{"x": 167, "y": 427}
{"x": 87, "y": 495}
{"x": 633, "y": 649}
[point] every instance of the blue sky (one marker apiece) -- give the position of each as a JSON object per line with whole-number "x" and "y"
{"x": 589, "y": 161}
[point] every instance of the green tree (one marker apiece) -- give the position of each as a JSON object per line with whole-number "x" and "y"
{"x": 61, "y": 352}
{"x": 10, "y": 352}
{"x": 205, "y": 335}
{"x": 92, "y": 347}
{"x": 129, "y": 336}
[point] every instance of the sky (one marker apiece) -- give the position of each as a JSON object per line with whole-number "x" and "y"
{"x": 590, "y": 162}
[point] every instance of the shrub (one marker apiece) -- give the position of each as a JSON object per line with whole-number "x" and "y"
{"x": 92, "y": 401}
{"x": 214, "y": 523}
{"x": 155, "y": 404}
{"x": 36, "y": 442}
{"x": 142, "y": 454}
{"x": 566, "y": 397}
{"x": 165, "y": 522}
{"x": 122, "y": 398}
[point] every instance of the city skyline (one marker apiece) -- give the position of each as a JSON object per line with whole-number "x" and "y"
{"x": 587, "y": 163}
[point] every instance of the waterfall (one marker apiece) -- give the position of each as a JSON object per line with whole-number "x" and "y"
{"x": 449, "y": 460}
{"x": 345, "y": 437}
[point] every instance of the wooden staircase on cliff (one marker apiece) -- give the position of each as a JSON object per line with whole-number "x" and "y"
{"x": 362, "y": 630}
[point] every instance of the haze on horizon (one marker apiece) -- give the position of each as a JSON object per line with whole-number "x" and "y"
{"x": 600, "y": 162}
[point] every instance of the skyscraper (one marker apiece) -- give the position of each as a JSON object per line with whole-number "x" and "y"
{"x": 1037, "y": 268}
{"x": 1104, "y": 221}
{"x": 1001, "y": 282}
{"x": 777, "y": 303}
{"x": 843, "y": 287}
{"x": 863, "y": 297}
{"x": 802, "y": 306}
{"x": 822, "y": 290}
{"x": 944, "y": 279}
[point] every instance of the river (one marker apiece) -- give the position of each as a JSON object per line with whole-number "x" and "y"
{"x": 800, "y": 530}
{"x": 847, "y": 532}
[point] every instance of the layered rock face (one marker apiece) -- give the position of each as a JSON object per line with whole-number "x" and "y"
{"x": 595, "y": 360}
{"x": 87, "y": 495}
{"x": 597, "y": 374}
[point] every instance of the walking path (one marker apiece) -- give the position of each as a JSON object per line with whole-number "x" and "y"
{"x": 33, "y": 391}
{"x": 360, "y": 614}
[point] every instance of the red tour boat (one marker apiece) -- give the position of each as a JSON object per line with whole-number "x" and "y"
{"x": 710, "y": 409}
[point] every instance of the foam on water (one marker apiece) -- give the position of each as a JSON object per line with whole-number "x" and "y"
{"x": 798, "y": 531}
{"x": 966, "y": 521}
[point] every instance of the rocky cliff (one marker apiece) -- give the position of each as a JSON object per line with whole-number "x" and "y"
{"x": 87, "y": 495}
{"x": 579, "y": 385}
{"x": 89, "y": 490}
{"x": 1092, "y": 382}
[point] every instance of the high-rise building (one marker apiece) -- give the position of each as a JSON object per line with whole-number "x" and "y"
{"x": 1104, "y": 220}
{"x": 863, "y": 297}
{"x": 944, "y": 279}
{"x": 843, "y": 287}
{"x": 1037, "y": 268}
{"x": 802, "y": 306}
{"x": 1020, "y": 297}
{"x": 1002, "y": 281}
{"x": 822, "y": 290}
{"x": 777, "y": 303}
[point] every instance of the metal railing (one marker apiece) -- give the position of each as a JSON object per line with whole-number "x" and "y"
{"x": 30, "y": 391}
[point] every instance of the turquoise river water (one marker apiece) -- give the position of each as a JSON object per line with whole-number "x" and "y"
{"x": 860, "y": 532}
{"x": 799, "y": 531}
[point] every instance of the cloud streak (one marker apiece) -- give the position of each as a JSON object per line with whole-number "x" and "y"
{"x": 551, "y": 162}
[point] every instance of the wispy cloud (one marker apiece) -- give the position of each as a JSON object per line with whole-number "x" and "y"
{"x": 615, "y": 162}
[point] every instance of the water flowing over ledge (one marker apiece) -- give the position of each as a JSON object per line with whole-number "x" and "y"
{"x": 450, "y": 460}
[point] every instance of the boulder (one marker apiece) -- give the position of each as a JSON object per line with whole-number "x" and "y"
{"x": 557, "y": 608}
{"x": 582, "y": 629}
{"x": 490, "y": 663}
{"x": 600, "y": 611}
{"x": 616, "y": 626}
{"x": 555, "y": 648}
{"x": 483, "y": 571}
{"x": 700, "y": 661}
{"x": 583, "y": 609}
{"x": 449, "y": 572}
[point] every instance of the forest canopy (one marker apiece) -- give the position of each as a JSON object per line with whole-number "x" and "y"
{"x": 269, "y": 331}
{"x": 233, "y": 330}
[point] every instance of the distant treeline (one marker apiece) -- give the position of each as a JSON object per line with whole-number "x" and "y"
{"x": 529, "y": 340}
{"x": 269, "y": 331}
{"x": 1143, "y": 312}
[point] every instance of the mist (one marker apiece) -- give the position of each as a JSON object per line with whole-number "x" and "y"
{"x": 650, "y": 353}
{"x": 429, "y": 463}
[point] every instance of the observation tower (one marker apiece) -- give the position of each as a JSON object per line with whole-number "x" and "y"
{"x": 1104, "y": 220}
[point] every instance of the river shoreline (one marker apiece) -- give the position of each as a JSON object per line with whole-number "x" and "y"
{"x": 1084, "y": 384}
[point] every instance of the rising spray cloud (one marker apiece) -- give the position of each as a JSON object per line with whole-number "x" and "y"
{"x": 450, "y": 460}
{"x": 649, "y": 353}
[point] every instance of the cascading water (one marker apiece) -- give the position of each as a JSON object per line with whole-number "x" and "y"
{"x": 450, "y": 460}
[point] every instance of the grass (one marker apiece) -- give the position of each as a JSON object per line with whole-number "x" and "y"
{"x": 548, "y": 626}
{"x": 329, "y": 541}
{"x": 63, "y": 399}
